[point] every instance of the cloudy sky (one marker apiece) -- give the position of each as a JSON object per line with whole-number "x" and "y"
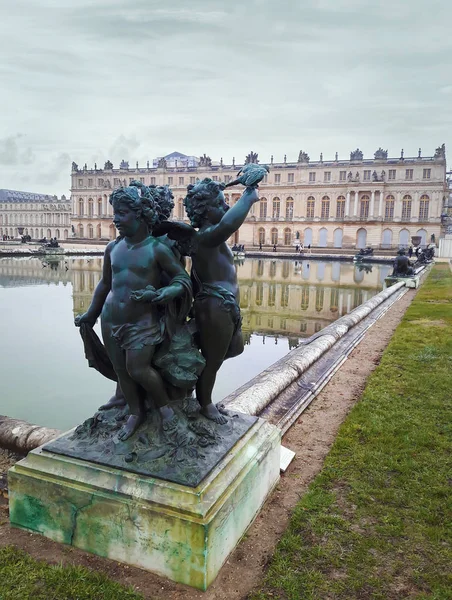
{"x": 91, "y": 80}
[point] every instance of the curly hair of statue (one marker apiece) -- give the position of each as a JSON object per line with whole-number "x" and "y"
{"x": 136, "y": 200}
{"x": 200, "y": 196}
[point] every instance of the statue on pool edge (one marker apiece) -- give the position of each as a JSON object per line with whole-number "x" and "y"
{"x": 140, "y": 316}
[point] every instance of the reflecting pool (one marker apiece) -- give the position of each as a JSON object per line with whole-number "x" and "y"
{"x": 44, "y": 375}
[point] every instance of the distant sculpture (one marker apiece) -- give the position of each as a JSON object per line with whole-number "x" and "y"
{"x": 127, "y": 299}
{"x": 356, "y": 155}
{"x": 74, "y": 166}
{"x": 425, "y": 256}
{"x": 380, "y": 154}
{"x": 357, "y": 176}
{"x": 216, "y": 291}
{"x": 383, "y": 175}
{"x": 162, "y": 164}
{"x": 205, "y": 161}
{"x": 303, "y": 157}
{"x": 440, "y": 152}
{"x": 402, "y": 266}
{"x": 350, "y": 176}
{"x": 124, "y": 164}
{"x": 374, "y": 176}
{"x": 252, "y": 157}
{"x": 108, "y": 165}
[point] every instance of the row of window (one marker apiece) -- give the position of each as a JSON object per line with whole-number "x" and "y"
{"x": 305, "y": 294}
{"x": 361, "y": 237}
{"x": 340, "y": 207}
{"x": 30, "y": 207}
{"x": 36, "y": 233}
{"x": 34, "y": 219}
{"x": 181, "y": 180}
{"x": 367, "y": 175}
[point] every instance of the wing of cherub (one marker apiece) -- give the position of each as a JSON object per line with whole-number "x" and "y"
{"x": 183, "y": 234}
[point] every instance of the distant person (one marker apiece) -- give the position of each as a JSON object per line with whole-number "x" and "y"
{"x": 260, "y": 246}
{"x": 301, "y": 248}
{"x": 410, "y": 251}
{"x": 274, "y": 247}
{"x": 309, "y": 248}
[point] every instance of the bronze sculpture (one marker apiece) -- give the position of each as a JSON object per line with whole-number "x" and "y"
{"x": 216, "y": 292}
{"x": 127, "y": 298}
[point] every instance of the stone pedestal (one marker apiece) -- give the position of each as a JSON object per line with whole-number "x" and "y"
{"x": 183, "y": 533}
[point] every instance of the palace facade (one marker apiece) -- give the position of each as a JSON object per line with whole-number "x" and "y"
{"x": 381, "y": 202}
{"x": 37, "y": 215}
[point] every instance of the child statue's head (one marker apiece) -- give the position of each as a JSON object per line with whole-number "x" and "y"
{"x": 205, "y": 202}
{"x": 138, "y": 199}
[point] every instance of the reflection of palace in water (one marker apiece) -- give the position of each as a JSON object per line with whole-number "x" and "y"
{"x": 277, "y": 297}
{"x": 22, "y": 272}
{"x": 299, "y": 298}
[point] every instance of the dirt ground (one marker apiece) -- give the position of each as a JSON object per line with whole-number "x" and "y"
{"x": 310, "y": 438}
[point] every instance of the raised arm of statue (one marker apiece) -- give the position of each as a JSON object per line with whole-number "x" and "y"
{"x": 215, "y": 234}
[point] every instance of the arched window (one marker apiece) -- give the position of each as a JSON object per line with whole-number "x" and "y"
{"x": 99, "y": 231}
{"x": 364, "y": 207}
{"x": 81, "y": 211}
{"x": 404, "y": 238}
{"x": 423, "y": 207}
{"x": 340, "y": 207}
{"x": 337, "y": 238}
{"x": 323, "y": 237}
{"x": 319, "y": 298}
{"x": 263, "y": 209}
{"x": 261, "y": 233}
{"x": 310, "y": 207}
{"x": 65, "y": 233}
{"x": 112, "y": 231}
{"x": 304, "y": 305}
{"x": 289, "y": 209}
{"x": 284, "y": 295}
{"x": 287, "y": 236}
{"x": 180, "y": 208}
{"x": 90, "y": 231}
{"x": 307, "y": 237}
{"x": 386, "y": 238}
{"x": 334, "y": 300}
{"x": 361, "y": 238}
{"x": 80, "y": 230}
{"x": 423, "y": 234}
{"x": 36, "y": 234}
{"x": 91, "y": 207}
{"x": 389, "y": 208}
{"x": 325, "y": 214}
{"x": 271, "y": 294}
{"x": 259, "y": 293}
{"x": 406, "y": 208}
{"x": 57, "y": 234}
{"x": 99, "y": 207}
{"x": 274, "y": 235}
{"x": 276, "y": 209}
{"x": 49, "y": 233}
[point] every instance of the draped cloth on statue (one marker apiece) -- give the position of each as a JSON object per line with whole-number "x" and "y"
{"x": 177, "y": 359}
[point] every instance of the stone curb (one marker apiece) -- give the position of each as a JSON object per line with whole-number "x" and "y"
{"x": 21, "y": 437}
{"x": 265, "y": 387}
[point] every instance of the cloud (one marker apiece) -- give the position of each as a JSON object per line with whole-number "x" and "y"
{"x": 12, "y": 152}
{"x": 108, "y": 80}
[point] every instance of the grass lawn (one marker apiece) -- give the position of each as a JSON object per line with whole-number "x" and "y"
{"x": 375, "y": 523}
{"x": 23, "y": 578}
